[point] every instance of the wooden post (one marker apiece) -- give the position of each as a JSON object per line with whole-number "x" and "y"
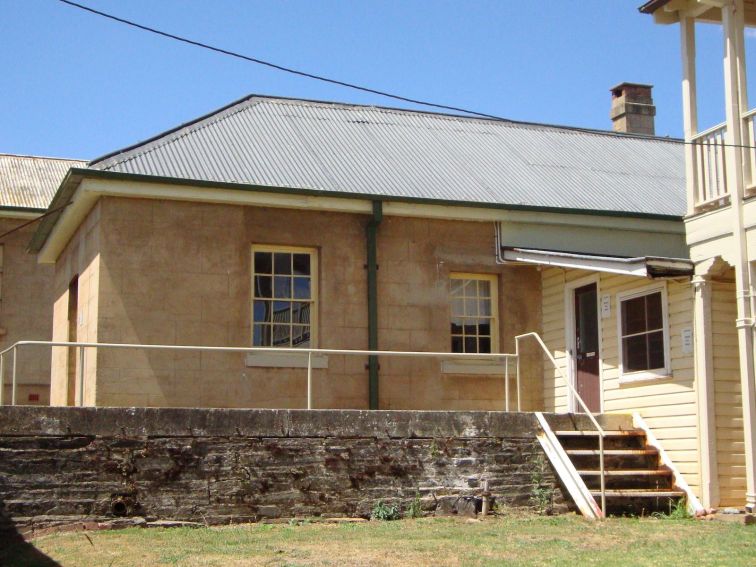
{"x": 732, "y": 25}
{"x": 704, "y": 383}
{"x": 690, "y": 106}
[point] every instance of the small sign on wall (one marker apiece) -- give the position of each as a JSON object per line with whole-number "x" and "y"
{"x": 606, "y": 306}
{"x": 687, "y": 340}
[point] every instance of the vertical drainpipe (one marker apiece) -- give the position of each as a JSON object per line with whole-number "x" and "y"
{"x": 372, "y": 297}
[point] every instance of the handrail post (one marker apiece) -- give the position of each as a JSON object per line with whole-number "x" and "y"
{"x": 2, "y": 378}
{"x": 506, "y": 384}
{"x": 13, "y": 383}
{"x": 81, "y": 377}
{"x": 309, "y": 380}
{"x": 603, "y": 475}
{"x": 517, "y": 376}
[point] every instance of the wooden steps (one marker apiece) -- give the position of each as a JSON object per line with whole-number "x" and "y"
{"x": 636, "y": 482}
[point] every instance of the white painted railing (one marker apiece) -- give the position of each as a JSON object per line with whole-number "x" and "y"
{"x": 749, "y": 152}
{"x": 509, "y": 368}
{"x": 580, "y": 402}
{"x": 709, "y": 166}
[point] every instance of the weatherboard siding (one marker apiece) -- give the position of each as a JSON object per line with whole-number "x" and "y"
{"x": 728, "y": 400}
{"x": 668, "y": 406}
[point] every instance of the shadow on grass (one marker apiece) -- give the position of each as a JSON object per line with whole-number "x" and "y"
{"x": 15, "y": 551}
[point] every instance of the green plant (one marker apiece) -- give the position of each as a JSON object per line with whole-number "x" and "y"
{"x": 541, "y": 492}
{"x": 384, "y": 512}
{"x": 677, "y": 511}
{"x": 434, "y": 451}
{"x": 415, "y": 509}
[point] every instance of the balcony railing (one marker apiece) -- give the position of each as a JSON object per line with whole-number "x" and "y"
{"x": 709, "y": 166}
{"x": 749, "y": 152}
{"x": 709, "y": 162}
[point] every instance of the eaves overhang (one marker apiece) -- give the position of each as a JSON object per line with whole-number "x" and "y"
{"x": 645, "y": 266}
{"x": 67, "y": 191}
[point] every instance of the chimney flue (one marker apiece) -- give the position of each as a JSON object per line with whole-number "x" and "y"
{"x": 633, "y": 109}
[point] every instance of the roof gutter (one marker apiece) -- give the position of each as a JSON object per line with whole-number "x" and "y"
{"x": 652, "y": 6}
{"x": 75, "y": 176}
{"x": 644, "y": 266}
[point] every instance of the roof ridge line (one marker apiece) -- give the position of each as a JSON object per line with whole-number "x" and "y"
{"x": 9, "y": 154}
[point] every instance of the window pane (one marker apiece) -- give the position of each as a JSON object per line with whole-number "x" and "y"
{"x": 302, "y": 288}
{"x": 654, "y": 311}
{"x": 282, "y": 287}
{"x": 457, "y": 307}
{"x": 281, "y": 312}
{"x": 302, "y": 264}
{"x": 456, "y": 326}
{"x": 634, "y": 353}
{"x": 300, "y": 336}
{"x": 261, "y": 311}
{"x": 471, "y": 307}
{"x": 456, "y": 344}
{"x": 282, "y": 263}
{"x": 484, "y": 288}
{"x": 263, "y": 263}
{"x": 300, "y": 312}
{"x": 263, "y": 285}
{"x": 470, "y": 327}
{"x": 261, "y": 335}
{"x": 484, "y": 307}
{"x": 471, "y": 344}
{"x": 484, "y": 344}
{"x": 455, "y": 287}
{"x": 634, "y": 315}
{"x": 484, "y": 327}
{"x": 281, "y": 335}
{"x": 655, "y": 350}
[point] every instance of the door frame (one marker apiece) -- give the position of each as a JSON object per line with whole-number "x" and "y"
{"x": 570, "y": 339}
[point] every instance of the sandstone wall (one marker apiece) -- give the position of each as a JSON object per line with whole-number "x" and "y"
{"x": 63, "y": 465}
{"x": 179, "y": 273}
{"x": 25, "y": 313}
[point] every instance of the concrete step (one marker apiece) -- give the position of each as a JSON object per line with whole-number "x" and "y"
{"x": 611, "y": 452}
{"x": 607, "y": 432}
{"x": 628, "y": 472}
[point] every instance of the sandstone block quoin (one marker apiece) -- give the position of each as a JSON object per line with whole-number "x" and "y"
{"x": 63, "y": 465}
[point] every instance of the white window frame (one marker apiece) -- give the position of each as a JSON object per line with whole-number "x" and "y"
{"x": 653, "y": 373}
{"x": 287, "y": 360}
{"x": 482, "y": 366}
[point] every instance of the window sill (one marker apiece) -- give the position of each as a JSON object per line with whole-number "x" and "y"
{"x": 474, "y": 367}
{"x": 284, "y": 360}
{"x": 637, "y": 378}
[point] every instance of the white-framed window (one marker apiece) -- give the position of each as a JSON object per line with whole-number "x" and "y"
{"x": 474, "y": 312}
{"x": 284, "y": 296}
{"x": 643, "y": 333}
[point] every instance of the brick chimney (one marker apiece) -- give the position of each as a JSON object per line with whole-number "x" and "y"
{"x": 633, "y": 109}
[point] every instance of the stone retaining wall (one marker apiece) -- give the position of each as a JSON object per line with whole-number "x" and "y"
{"x": 63, "y": 465}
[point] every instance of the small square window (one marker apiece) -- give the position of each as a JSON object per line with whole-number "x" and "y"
{"x": 643, "y": 337}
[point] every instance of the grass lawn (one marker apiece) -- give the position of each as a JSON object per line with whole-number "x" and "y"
{"x": 510, "y": 540}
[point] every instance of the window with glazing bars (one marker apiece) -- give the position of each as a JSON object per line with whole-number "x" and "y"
{"x": 474, "y": 317}
{"x": 283, "y": 296}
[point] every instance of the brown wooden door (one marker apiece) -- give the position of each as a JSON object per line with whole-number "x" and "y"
{"x": 587, "y": 347}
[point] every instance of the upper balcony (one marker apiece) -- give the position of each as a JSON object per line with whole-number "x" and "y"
{"x": 711, "y": 188}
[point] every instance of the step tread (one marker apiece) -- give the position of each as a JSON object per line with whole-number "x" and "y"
{"x": 638, "y": 493}
{"x": 607, "y": 432}
{"x": 583, "y": 452}
{"x": 628, "y": 472}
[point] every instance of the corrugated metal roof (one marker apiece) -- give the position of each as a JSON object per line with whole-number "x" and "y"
{"x": 399, "y": 153}
{"x": 31, "y": 181}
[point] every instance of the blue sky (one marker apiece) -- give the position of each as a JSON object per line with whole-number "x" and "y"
{"x": 77, "y": 85}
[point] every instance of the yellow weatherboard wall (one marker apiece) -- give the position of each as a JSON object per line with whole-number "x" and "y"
{"x": 667, "y": 405}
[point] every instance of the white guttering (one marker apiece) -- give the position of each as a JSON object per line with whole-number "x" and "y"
{"x": 646, "y": 266}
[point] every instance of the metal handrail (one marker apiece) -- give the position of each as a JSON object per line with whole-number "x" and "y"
{"x": 276, "y": 350}
{"x": 572, "y": 389}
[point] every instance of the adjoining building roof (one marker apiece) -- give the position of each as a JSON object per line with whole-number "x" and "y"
{"x": 393, "y": 153}
{"x": 29, "y": 182}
